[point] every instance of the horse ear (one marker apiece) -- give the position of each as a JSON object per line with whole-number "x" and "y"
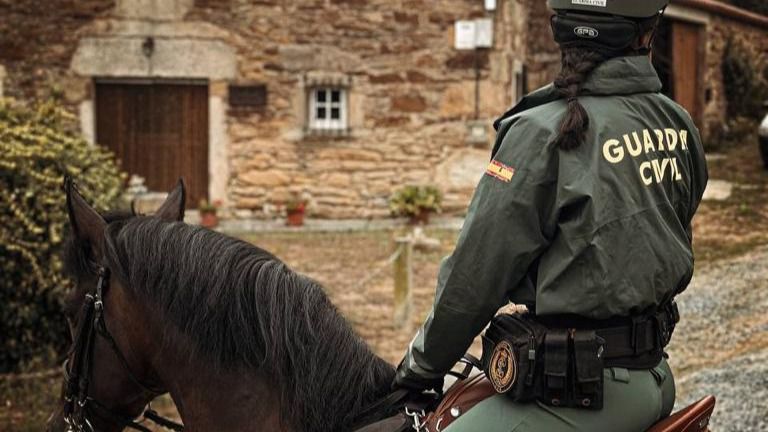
{"x": 87, "y": 224}
{"x": 172, "y": 209}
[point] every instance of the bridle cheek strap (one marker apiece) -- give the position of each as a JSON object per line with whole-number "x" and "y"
{"x": 77, "y": 373}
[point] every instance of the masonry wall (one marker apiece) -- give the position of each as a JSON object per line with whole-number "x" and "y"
{"x": 37, "y": 42}
{"x": 411, "y": 95}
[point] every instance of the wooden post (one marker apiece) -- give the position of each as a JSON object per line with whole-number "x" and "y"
{"x": 403, "y": 281}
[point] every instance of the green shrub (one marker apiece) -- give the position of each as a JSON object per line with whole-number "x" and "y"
{"x": 38, "y": 146}
{"x": 745, "y": 82}
{"x": 413, "y": 200}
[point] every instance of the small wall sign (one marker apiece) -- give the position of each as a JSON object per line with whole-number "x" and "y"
{"x": 248, "y": 96}
{"x": 465, "y": 35}
{"x": 472, "y": 34}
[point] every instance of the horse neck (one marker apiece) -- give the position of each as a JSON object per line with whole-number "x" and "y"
{"x": 224, "y": 401}
{"x": 211, "y": 399}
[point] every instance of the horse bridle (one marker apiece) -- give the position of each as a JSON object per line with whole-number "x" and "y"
{"x": 78, "y": 406}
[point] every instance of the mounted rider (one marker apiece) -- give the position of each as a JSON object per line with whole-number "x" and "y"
{"x": 584, "y": 216}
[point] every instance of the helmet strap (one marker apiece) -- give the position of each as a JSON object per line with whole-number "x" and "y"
{"x": 655, "y": 30}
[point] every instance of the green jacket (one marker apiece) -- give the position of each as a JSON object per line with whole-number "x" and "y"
{"x": 600, "y": 231}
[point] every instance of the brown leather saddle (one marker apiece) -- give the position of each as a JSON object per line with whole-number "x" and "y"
{"x": 464, "y": 395}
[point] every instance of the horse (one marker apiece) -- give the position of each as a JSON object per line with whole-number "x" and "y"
{"x": 239, "y": 340}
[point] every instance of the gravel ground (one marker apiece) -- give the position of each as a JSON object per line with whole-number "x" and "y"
{"x": 721, "y": 345}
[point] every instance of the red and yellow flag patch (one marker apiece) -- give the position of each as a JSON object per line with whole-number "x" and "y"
{"x": 500, "y": 171}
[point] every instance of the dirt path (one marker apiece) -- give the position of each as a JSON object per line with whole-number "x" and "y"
{"x": 721, "y": 344}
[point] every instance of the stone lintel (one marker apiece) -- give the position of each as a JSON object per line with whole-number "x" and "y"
{"x": 172, "y": 58}
{"x": 165, "y": 10}
{"x": 129, "y": 27}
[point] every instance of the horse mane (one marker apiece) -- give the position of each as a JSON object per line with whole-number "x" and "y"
{"x": 241, "y": 307}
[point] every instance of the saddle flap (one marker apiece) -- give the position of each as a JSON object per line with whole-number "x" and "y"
{"x": 694, "y": 418}
{"x": 462, "y": 397}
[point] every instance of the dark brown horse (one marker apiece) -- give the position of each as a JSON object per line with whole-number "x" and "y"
{"x": 240, "y": 341}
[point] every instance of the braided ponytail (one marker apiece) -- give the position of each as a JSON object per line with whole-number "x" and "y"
{"x": 578, "y": 63}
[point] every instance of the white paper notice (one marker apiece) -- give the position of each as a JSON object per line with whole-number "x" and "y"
{"x": 484, "y": 33}
{"x": 465, "y": 35}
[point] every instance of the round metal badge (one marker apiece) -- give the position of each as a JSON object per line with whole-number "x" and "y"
{"x": 503, "y": 367}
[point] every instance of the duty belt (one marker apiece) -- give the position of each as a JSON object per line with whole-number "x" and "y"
{"x": 636, "y": 342}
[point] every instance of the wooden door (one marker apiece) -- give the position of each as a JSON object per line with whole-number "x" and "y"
{"x": 157, "y": 130}
{"x": 686, "y": 65}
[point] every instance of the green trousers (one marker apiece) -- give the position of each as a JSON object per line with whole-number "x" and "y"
{"x": 633, "y": 401}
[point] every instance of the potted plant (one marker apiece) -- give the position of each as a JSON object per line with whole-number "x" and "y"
{"x": 295, "y": 210}
{"x": 208, "y": 216}
{"x": 416, "y": 202}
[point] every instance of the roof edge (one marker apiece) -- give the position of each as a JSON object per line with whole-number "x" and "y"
{"x": 726, "y": 10}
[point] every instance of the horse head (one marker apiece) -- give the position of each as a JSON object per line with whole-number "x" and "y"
{"x": 108, "y": 376}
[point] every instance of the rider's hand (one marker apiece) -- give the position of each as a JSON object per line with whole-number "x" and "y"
{"x": 417, "y": 384}
{"x": 406, "y": 379}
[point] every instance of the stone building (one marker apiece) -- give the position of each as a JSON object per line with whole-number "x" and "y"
{"x": 340, "y": 101}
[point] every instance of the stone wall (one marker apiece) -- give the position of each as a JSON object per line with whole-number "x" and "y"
{"x": 37, "y": 42}
{"x": 543, "y": 53}
{"x": 411, "y": 95}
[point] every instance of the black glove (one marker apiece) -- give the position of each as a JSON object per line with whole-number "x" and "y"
{"x": 417, "y": 385}
{"x": 405, "y": 379}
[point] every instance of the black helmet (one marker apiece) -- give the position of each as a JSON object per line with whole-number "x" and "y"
{"x": 608, "y": 26}
{"x": 624, "y": 8}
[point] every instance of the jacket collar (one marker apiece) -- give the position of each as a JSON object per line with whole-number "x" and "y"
{"x": 616, "y": 76}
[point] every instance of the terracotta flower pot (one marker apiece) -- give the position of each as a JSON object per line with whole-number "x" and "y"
{"x": 421, "y": 218}
{"x": 209, "y": 219}
{"x": 295, "y": 218}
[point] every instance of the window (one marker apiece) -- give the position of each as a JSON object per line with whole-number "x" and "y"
{"x": 328, "y": 109}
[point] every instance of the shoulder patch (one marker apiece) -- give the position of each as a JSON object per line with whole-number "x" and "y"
{"x": 500, "y": 171}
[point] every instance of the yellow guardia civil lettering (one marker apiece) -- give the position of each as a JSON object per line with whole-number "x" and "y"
{"x": 500, "y": 171}
{"x": 648, "y": 142}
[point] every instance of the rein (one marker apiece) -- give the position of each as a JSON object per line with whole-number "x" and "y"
{"x": 78, "y": 406}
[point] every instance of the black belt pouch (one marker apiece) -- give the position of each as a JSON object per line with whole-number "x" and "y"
{"x": 516, "y": 340}
{"x": 587, "y": 381}
{"x": 556, "y": 377}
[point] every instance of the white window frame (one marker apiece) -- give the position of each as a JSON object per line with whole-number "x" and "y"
{"x": 327, "y": 123}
